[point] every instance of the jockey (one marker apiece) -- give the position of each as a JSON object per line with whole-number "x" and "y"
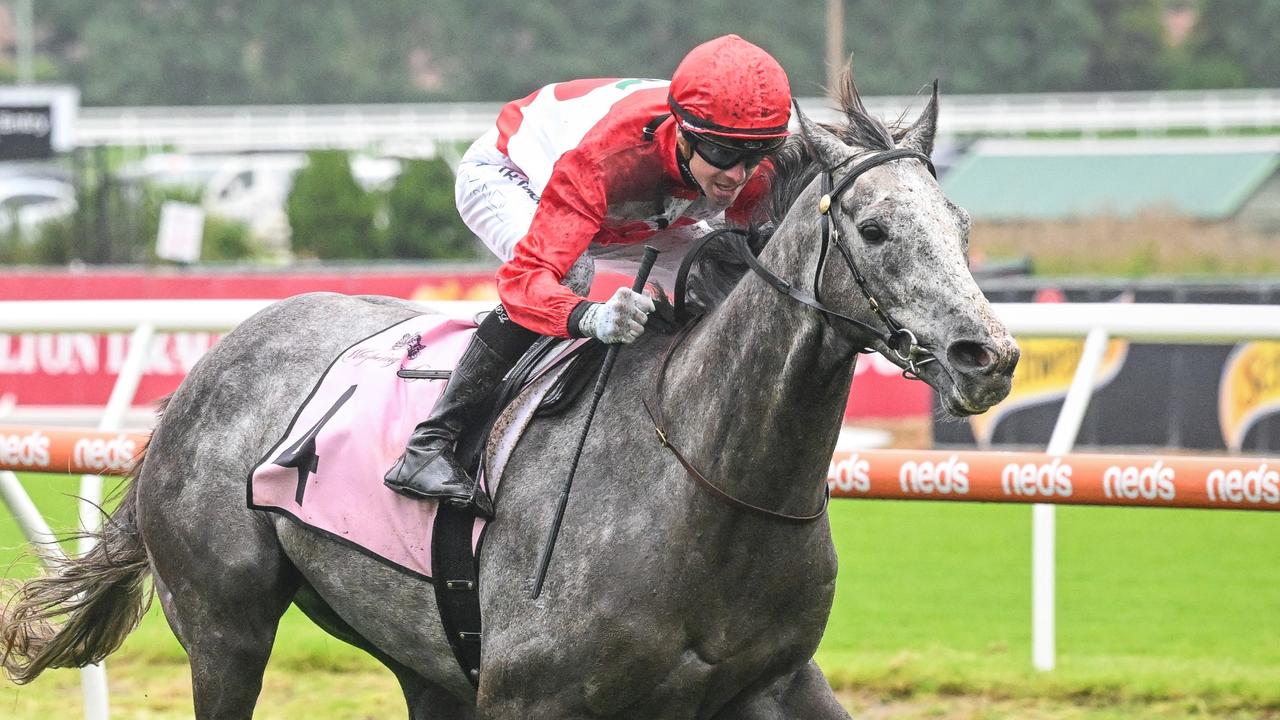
{"x": 593, "y": 168}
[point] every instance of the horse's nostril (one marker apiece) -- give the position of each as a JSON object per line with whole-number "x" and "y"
{"x": 971, "y": 356}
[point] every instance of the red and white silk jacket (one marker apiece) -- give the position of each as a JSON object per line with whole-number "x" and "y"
{"x": 602, "y": 180}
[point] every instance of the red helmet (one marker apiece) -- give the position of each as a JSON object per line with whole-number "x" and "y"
{"x": 729, "y": 88}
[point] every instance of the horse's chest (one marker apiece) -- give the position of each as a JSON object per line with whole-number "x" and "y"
{"x": 731, "y": 634}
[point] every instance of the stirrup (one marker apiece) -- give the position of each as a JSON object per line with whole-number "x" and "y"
{"x": 479, "y": 503}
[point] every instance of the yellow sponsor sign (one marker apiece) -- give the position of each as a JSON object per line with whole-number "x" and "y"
{"x": 451, "y": 289}
{"x": 1044, "y": 374}
{"x": 1249, "y": 390}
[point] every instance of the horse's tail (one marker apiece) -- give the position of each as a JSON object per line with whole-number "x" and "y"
{"x": 99, "y": 598}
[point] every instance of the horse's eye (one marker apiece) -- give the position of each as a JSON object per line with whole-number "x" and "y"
{"x": 872, "y": 232}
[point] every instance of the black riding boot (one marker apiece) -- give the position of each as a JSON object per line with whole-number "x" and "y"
{"x": 428, "y": 468}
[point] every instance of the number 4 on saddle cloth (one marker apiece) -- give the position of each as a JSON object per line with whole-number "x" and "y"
{"x": 326, "y": 472}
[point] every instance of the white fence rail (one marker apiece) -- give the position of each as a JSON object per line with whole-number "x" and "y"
{"x": 294, "y": 127}
{"x": 1097, "y": 322}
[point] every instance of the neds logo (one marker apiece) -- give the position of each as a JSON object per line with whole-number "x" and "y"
{"x": 102, "y": 455}
{"x": 1153, "y": 482}
{"x": 1052, "y": 479}
{"x": 1257, "y": 486}
{"x": 945, "y": 477}
{"x": 852, "y": 474}
{"x": 30, "y": 450}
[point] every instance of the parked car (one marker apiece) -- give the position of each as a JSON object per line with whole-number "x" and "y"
{"x": 26, "y": 203}
{"x": 253, "y": 187}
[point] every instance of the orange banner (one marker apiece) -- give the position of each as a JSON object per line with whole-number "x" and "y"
{"x": 72, "y": 451}
{"x": 1137, "y": 480}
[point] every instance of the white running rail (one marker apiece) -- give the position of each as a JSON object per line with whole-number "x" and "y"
{"x": 359, "y": 127}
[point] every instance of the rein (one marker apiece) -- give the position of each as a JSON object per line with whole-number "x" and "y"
{"x": 653, "y": 405}
{"x": 898, "y": 338}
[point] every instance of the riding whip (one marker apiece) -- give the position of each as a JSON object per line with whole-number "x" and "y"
{"x": 642, "y": 276}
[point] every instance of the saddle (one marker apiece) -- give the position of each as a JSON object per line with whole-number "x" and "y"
{"x": 581, "y": 365}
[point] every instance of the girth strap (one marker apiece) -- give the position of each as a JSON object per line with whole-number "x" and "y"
{"x": 457, "y": 585}
{"x": 455, "y": 569}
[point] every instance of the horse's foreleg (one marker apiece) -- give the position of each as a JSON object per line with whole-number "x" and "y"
{"x": 803, "y": 694}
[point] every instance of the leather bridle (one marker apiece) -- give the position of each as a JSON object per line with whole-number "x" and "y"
{"x": 898, "y": 338}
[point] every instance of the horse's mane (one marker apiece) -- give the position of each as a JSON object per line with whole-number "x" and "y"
{"x": 719, "y": 268}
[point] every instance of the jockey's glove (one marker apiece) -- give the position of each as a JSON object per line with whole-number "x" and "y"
{"x": 619, "y": 320}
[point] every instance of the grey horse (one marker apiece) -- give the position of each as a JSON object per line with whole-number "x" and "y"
{"x": 663, "y": 599}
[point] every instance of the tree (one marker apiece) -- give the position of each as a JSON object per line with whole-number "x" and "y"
{"x": 276, "y": 51}
{"x": 330, "y": 215}
{"x": 169, "y": 52}
{"x": 422, "y": 222}
{"x": 238, "y": 52}
{"x": 971, "y": 45}
{"x": 1233, "y": 44}
{"x": 1129, "y": 52}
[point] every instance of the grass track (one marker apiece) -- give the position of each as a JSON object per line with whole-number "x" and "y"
{"x": 1161, "y": 614}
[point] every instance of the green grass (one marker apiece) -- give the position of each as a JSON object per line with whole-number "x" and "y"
{"x": 1161, "y": 614}
{"x": 1152, "y": 603}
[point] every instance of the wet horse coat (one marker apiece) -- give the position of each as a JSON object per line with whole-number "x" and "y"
{"x": 662, "y": 601}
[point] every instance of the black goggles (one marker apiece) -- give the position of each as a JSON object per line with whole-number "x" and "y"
{"x": 726, "y": 153}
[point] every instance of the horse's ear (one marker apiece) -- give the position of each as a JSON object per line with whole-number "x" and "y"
{"x": 823, "y": 146}
{"x": 920, "y": 135}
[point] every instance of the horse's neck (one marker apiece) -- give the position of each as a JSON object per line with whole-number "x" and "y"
{"x": 756, "y": 396}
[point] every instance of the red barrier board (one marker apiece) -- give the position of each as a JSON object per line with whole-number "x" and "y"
{"x": 469, "y": 284}
{"x": 79, "y": 369}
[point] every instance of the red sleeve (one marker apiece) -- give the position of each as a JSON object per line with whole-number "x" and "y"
{"x": 570, "y": 213}
{"x": 753, "y": 198}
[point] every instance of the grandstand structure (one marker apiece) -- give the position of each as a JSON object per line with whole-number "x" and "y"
{"x": 1215, "y": 179}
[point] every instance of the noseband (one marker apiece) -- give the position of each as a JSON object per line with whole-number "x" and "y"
{"x": 898, "y": 338}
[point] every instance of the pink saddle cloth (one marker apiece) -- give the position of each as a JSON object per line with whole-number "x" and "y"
{"x": 326, "y": 472}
